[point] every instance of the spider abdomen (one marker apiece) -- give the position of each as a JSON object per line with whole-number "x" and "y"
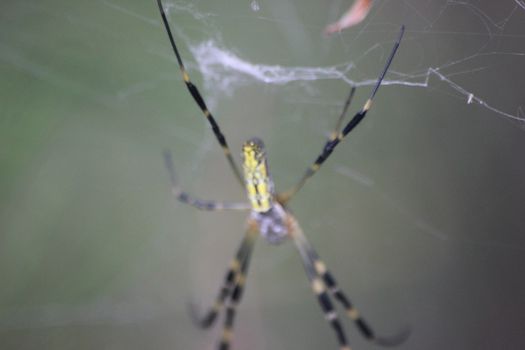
{"x": 272, "y": 224}
{"x": 257, "y": 180}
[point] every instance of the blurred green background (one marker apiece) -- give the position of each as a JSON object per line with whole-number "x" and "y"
{"x": 419, "y": 213}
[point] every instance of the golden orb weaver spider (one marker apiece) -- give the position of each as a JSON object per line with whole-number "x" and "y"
{"x": 271, "y": 218}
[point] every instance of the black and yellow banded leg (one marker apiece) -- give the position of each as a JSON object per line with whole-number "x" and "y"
{"x": 235, "y": 297}
{"x": 200, "y": 100}
{"x": 231, "y": 277}
{"x": 284, "y": 197}
{"x": 329, "y": 281}
{"x": 319, "y": 288}
{"x": 339, "y": 135}
{"x": 348, "y": 101}
{"x": 194, "y": 202}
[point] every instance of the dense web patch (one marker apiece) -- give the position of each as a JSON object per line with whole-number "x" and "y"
{"x": 489, "y": 38}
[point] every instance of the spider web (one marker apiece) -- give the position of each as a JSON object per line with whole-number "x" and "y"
{"x": 493, "y": 39}
{"x": 419, "y": 212}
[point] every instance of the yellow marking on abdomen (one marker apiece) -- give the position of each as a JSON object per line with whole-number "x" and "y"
{"x": 256, "y": 177}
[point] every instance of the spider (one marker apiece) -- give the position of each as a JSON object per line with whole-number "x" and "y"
{"x": 270, "y": 217}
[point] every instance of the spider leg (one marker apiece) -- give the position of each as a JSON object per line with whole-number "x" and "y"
{"x": 348, "y": 101}
{"x": 200, "y": 100}
{"x": 319, "y": 287}
{"x": 284, "y": 197}
{"x": 235, "y": 298}
{"x": 208, "y": 319}
{"x": 194, "y": 202}
{"x": 338, "y": 135}
{"x": 230, "y": 293}
{"x": 321, "y": 272}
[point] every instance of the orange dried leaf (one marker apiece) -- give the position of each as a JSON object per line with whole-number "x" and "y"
{"x": 357, "y": 12}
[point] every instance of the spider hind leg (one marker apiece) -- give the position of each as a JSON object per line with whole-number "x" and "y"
{"x": 324, "y": 284}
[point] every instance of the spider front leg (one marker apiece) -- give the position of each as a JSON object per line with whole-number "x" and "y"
{"x": 338, "y": 135}
{"x": 194, "y": 202}
{"x": 323, "y": 282}
{"x": 284, "y": 197}
{"x": 194, "y": 92}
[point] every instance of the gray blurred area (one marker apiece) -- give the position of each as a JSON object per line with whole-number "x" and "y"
{"x": 419, "y": 213}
